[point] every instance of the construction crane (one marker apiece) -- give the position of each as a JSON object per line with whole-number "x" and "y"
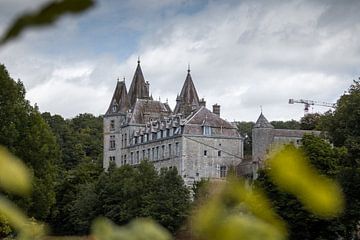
{"x": 309, "y": 103}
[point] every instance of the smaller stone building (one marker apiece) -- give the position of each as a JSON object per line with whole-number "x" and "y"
{"x": 265, "y": 137}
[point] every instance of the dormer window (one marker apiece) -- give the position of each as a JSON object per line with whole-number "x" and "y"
{"x": 207, "y": 130}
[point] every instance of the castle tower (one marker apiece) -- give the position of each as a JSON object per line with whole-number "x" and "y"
{"x": 188, "y": 99}
{"x": 139, "y": 89}
{"x": 114, "y": 118}
{"x": 262, "y": 137}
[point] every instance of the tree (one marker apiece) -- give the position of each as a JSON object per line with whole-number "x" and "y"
{"x": 343, "y": 124}
{"x": 292, "y": 124}
{"x": 25, "y": 133}
{"x": 301, "y": 223}
{"x": 310, "y": 121}
{"x": 173, "y": 200}
{"x": 245, "y": 129}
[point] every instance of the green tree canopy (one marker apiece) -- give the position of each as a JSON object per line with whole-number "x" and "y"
{"x": 25, "y": 133}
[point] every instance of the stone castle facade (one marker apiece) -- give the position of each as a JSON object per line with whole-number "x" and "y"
{"x": 195, "y": 140}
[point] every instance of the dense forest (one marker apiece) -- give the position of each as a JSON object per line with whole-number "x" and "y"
{"x": 70, "y": 187}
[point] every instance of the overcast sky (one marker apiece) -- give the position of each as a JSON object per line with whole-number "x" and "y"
{"x": 243, "y": 54}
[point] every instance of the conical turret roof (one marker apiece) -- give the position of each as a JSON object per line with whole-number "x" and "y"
{"x": 138, "y": 88}
{"x": 188, "y": 98}
{"x": 262, "y": 122}
{"x": 120, "y": 100}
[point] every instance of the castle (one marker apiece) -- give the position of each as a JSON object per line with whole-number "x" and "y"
{"x": 195, "y": 140}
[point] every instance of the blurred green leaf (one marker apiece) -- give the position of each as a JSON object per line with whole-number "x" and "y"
{"x": 236, "y": 211}
{"x": 290, "y": 170}
{"x": 138, "y": 229}
{"x": 14, "y": 176}
{"x": 26, "y": 228}
{"x": 47, "y": 15}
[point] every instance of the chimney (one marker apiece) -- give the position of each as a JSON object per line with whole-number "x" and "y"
{"x": 202, "y": 102}
{"x": 216, "y": 109}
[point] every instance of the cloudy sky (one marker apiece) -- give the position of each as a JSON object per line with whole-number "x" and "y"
{"x": 243, "y": 54}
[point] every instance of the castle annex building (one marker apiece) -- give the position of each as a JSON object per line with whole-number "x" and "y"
{"x": 195, "y": 140}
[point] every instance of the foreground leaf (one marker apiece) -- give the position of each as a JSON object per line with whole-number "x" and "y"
{"x": 139, "y": 229}
{"x": 290, "y": 170}
{"x": 14, "y": 176}
{"x": 47, "y": 15}
{"x": 27, "y": 229}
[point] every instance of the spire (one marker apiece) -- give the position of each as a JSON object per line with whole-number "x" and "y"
{"x": 120, "y": 99}
{"x": 188, "y": 99}
{"x": 262, "y": 122}
{"x": 139, "y": 89}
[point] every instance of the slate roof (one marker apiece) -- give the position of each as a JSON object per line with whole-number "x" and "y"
{"x": 262, "y": 122}
{"x": 120, "y": 99}
{"x": 145, "y": 109}
{"x": 188, "y": 99}
{"x": 138, "y": 88}
{"x": 204, "y": 117}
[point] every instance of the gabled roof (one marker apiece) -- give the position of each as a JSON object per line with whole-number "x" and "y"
{"x": 262, "y": 122}
{"x": 120, "y": 100}
{"x": 145, "y": 109}
{"x": 205, "y": 117}
{"x": 138, "y": 88}
{"x": 188, "y": 99}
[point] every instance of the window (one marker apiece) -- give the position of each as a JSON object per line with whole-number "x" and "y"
{"x": 135, "y": 140}
{"x": 167, "y": 132}
{"x": 222, "y": 171}
{"x": 125, "y": 159}
{"x": 163, "y": 133}
{"x": 114, "y": 108}
{"x": 112, "y": 159}
{"x": 154, "y": 136}
{"x": 169, "y": 150}
{"x": 112, "y": 142}
{"x": 131, "y": 158}
{"x": 143, "y": 155}
{"x": 163, "y": 151}
{"x": 177, "y": 150}
{"x": 159, "y": 135}
{"x": 219, "y": 153}
{"x": 153, "y": 153}
{"x": 125, "y": 140}
{"x": 207, "y": 130}
{"x": 112, "y": 125}
{"x": 122, "y": 140}
{"x": 148, "y": 154}
{"x": 205, "y": 152}
{"x": 137, "y": 157}
{"x": 157, "y": 153}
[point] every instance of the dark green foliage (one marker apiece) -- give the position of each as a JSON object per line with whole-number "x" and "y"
{"x": 292, "y": 124}
{"x": 310, "y": 121}
{"x": 172, "y": 200}
{"x": 301, "y": 223}
{"x": 47, "y": 15}
{"x": 200, "y": 190}
{"x": 343, "y": 124}
{"x": 245, "y": 129}
{"x": 127, "y": 193}
{"x": 341, "y": 163}
{"x": 80, "y": 138}
{"x": 25, "y": 133}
